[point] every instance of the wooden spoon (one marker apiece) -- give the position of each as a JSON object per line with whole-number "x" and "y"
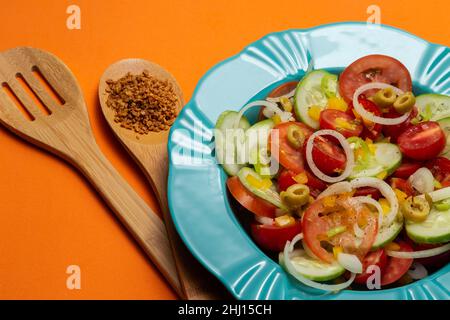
{"x": 29, "y": 76}
{"x": 150, "y": 152}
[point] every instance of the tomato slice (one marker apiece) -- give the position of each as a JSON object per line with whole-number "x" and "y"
{"x": 440, "y": 168}
{"x": 423, "y": 141}
{"x": 368, "y": 191}
{"x": 249, "y": 201}
{"x": 279, "y": 91}
{"x": 434, "y": 261}
{"x": 340, "y": 121}
{"x": 377, "y": 258}
{"x": 406, "y": 169}
{"x": 327, "y": 156}
{"x": 320, "y": 218}
{"x": 373, "y": 68}
{"x": 396, "y": 267}
{"x": 396, "y": 130}
{"x": 287, "y": 156}
{"x": 371, "y": 130}
{"x": 402, "y": 185}
{"x": 273, "y": 238}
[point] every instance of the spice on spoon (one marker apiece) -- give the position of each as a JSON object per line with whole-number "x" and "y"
{"x": 142, "y": 103}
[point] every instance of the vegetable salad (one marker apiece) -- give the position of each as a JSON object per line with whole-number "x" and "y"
{"x": 347, "y": 176}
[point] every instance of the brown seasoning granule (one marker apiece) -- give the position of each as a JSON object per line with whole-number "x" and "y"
{"x": 142, "y": 103}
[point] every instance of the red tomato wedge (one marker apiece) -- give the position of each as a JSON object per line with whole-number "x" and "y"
{"x": 287, "y": 156}
{"x": 377, "y": 258}
{"x": 373, "y": 68}
{"x": 320, "y": 218}
{"x": 327, "y": 156}
{"x": 273, "y": 238}
{"x": 440, "y": 168}
{"x": 340, "y": 121}
{"x": 402, "y": 185}
{"x": 258, "y": 206}
{"x": 406, "y": 169}
{"x": 279, "y": 91}
{"x": 368, "y": 191}
{"x": 423, "y": 141}
{"x": 396, "y": 267}
{"x": 395, "y": 131}
{"x": 370, "y": 130}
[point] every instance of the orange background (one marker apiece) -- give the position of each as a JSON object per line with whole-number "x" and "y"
{"x": 49, "y": 216}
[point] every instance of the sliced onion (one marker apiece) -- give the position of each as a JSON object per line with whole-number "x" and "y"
{"x": 350, "y": 262}
{"x": 422, "y": 180}
{"x": 419, "y": 254}
{"x": 270, "y": 106}
{"x": 291, "y": 269}
{"x": 336, "y": 188}
{"x": 348, "y": 153}
{"x": 373, "y": 202}
{"x": 439, "y": 195}
{"x": 264, "y": 220}
{"x": 370, "y": 116}
{"x": 385, "y": 190}
{"x": 294, "y": 241}
{"x": 417, "y": 271}
{"x": 278, "y": 99}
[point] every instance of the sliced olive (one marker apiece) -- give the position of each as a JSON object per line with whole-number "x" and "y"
{"x": 295, "y": 136}
{"x": 385, "y": 98}
{"x": 405, "y": 102}
{"x": 415, "y": 209}
{"x": 295, "y": 196}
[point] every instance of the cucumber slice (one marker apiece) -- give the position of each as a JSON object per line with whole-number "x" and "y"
{"x": 387, "y": 234}
{"x": 435, "y": 229}
{"x": 445, "y": 125}
{"x": 311, "y": 268}
{"x": 226, "y": 146}
{"x": 437, "y": 106}
{"x": 387, "y": 158}
{"x": 311, "y": 92}
{"x": 268, "y": 194}
{"x": 256, "y": 138}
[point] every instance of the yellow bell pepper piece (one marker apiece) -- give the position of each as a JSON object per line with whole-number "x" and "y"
{"x": 401, "y": 196}
{"x": 384, "y": 205}
{"x": 382, "y": 175}
{"x": 284, "y": 221}
{"x": 392, "y": 246}
{"x": 258, "y": 183}
{"x": 314, "y": 112}
{"x": 337, "y": 104}
{"x": 329, "y": 201}
{"x": 337, "y": 251}
{"x": 301, "y": 178}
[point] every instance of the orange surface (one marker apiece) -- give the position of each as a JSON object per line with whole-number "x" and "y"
{"x": 49, "y": 216}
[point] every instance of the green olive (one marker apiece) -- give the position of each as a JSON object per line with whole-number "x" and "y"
{"x": 295, "y": 196}
{"x": 295, "y": 136}
{"x": 405, "y": 102}
{"x": 415, "y": 209}
{"x": 384, "y": 98}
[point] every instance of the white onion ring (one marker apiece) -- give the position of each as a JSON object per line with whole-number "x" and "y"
{"x": 264, "y": 220}
{"x": 285, "y": 116}
{"x": 385, "y": 190}
{"x": 419, "y": 254}
{"x": 422, "y": 180}
{"x": 291, "y": 269}
{"x": 439, "y": 195}
{"x": 336, "y": 188}
{"x": 348, "y": 153}
{"x": 373, "y": 202}
{"x": 370, "y": 116}
{"x": 417, "y": 271}
{"x": 350, "y": 262}
{"x": 278, "y": 99}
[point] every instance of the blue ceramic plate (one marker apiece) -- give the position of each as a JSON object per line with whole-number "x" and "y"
{"x": 197, "y": 193}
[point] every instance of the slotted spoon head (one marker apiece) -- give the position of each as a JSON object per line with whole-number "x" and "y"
{"x": 67, "y": 116}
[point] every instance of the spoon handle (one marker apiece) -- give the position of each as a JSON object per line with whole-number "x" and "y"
{"x": 145, "y": 225}
{"x": 197, "y": 282}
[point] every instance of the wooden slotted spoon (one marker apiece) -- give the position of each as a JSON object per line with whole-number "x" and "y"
{"x": 150, "y": 152}
{"x": 66, "y": 132}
